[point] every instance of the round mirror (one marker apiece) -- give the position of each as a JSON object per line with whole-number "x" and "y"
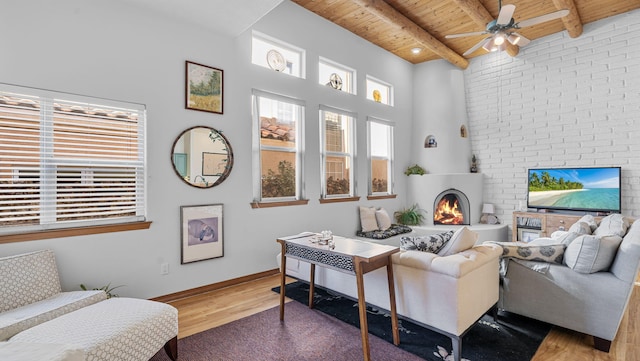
{"x": 202, "y": 157}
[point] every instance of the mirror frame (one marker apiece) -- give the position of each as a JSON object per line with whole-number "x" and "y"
{"x": 228, "y": 167}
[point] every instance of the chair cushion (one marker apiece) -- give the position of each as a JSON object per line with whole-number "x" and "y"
{"x": 590, "y": 253}
{"x": 25, "y": 317}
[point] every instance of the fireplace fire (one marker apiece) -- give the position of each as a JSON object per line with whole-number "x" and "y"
{"x": 451, "y": 207}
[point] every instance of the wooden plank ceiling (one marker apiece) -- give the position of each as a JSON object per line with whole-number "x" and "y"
{"x": 401, "y": 25}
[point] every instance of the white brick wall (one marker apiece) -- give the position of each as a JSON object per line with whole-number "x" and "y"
{"x": 560, "y": 102}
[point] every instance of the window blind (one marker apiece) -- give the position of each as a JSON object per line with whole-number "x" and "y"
{"x": 69, "y": 161}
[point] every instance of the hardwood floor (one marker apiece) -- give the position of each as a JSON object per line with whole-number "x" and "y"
{"x": 215, "y": 308}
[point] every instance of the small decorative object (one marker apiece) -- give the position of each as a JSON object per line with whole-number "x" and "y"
{"x": 430, "y": 142}
{"x": 415, "y": 169}
{"x": 202, "y": 232}
{"x": 335, "y": 81}
{"x": 488, "y": 216}
{"x": 276, "y": 60}
{"x": 411, "y": 216}
{"x": 377, "y": 97}
{"x": 463, "y": 131}
{"x": 325, "y": 237}
{"x": 474, "y": 165}
{"x": 204, "y": 88}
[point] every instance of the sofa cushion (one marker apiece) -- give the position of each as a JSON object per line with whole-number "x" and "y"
{"x": 591, "y": 253}
{"x": 431, "y": 243}
{"x": 550, "y": 253}
{"x": 27, "y": 278}
{"x": 588, "y": 219}
{"x": 382, "y": 219}
{"x": 25, "y": 317}
{"x": 368, "y": 219}
{"x": 580, "y": 228}
{"x": 613, "y": 224}
{"x": 461, "y": 240}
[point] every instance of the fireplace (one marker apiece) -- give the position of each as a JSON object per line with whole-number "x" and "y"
{"x": 451, "y": 207}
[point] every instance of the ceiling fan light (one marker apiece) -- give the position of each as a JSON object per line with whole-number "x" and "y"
{"x": 514, "y": 39}
{"x": 489, "y": 45}
{"x": 498, "y": 39}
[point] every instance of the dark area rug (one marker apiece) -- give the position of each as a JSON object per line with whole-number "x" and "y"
{"x": 512, "y": 338}
{"x": 305, "y": 335}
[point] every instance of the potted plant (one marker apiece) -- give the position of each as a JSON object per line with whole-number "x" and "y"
{"x": 108, "y": 289}
{"x": 415, "y": 169}
{"x": 411, "y": 216}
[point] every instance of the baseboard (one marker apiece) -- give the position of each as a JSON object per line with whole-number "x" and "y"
{"x": 214, "y": 286}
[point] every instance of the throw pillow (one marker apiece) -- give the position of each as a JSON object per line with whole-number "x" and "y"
{"x": 383, "y": 219}
{"x": 550, "y": 253}
{"x": 590, "y": 253}
{"x": 580, "y": 228}
{"x": 432, "y": 243}
{"x": 368, "y": 219}
{"x": 588, "y": 219}
{"x": 461, "y": 240}
{"x": 612, "y": 225}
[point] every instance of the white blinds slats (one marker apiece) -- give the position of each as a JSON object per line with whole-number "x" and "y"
{"x": 66, "y": 163}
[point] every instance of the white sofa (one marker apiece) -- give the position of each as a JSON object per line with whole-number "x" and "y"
{"x": 447, "y": 294}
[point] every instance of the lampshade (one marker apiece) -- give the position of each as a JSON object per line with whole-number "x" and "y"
{"x": 514, "y": 39}
{"x": 488, "y": 208}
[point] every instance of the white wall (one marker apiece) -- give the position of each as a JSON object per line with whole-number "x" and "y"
{"x": 106, "y": 49}
{"x": 560, "y": 102}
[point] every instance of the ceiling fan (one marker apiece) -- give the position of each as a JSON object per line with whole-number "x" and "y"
{"x": 503, "y": 29}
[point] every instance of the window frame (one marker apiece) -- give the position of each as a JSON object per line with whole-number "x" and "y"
{"x": 350, "y": 81}
{"x": 351, "y": 156}
{"x": 258, "y": 200}
{"x": 283, "y": 48}
{"x": 390, "y": 158}
{"x": 369, "y": 93}
{"x": 53, "y": 170}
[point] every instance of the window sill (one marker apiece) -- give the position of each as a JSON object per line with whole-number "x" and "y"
{"x": 386, "y": 196}
{"x": 256, "y": 205}
{"x": 338, "y": 200}
{"x": 70, "y": 232}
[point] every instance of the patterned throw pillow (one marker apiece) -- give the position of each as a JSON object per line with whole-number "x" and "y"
{"x": 552, "y": 253}
{"x": 432, "y": 243}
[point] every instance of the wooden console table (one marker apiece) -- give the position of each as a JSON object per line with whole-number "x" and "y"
{"x": 542, "y": 224}
{"x": 349, "y": 256}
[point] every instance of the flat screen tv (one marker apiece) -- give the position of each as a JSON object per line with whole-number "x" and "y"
{"x": 575, "y": 189}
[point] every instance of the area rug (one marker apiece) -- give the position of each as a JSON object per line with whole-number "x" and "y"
{"x": 304, "y": 335}
{"x": 512, "y": 338}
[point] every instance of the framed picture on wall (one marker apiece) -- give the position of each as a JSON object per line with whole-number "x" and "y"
{"x": 204, "y": 88}
{"x": 202, "y": 232}
{"x": 528, "y": 235}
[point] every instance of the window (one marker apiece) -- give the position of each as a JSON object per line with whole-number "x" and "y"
{"x": 336, "y": 76}
{"x": 278, "y": 124}
{"x": 277, "y": 55}
{"x": 380, "y": 147}
{"x": 337, "y": 139}
{"x": 68, "y": 161}
{"x": 379, "y": 91}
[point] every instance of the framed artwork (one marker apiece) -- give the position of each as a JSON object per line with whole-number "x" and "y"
{"x": 528, "y": 235}
{"x": 202, "y": 232}
{"x": 204, "y": 88}
{"x": 214, "y": 164}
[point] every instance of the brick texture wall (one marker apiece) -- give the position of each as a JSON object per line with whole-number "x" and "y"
{"x": 560, "y": 102}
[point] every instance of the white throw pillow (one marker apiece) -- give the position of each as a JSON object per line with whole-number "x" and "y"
{"x": 590, "y": 253}
{"x": 580, "y": 228}
{"x": 462, "y": 240}
{"x": 368, "y": 219}
{"x": 383, "y": 219}
{"x": 613, "y": 224}
{"x": 588, "y": 219}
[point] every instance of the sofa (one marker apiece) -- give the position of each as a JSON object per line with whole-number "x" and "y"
{"x": 40, "y": 321}
{"x": 580, "y": 279}
{"x": 447, "y": 291}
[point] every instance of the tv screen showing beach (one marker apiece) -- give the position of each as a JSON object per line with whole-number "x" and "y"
{"x": 583, "y": 189}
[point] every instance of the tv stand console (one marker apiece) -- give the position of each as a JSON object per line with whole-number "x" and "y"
{"x": 528, "y": 224}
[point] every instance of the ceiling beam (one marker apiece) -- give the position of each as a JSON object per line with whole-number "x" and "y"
{"x": 481, "y": 16}
{"x": 391, "y": 16}
{"x": 572, "y": 22}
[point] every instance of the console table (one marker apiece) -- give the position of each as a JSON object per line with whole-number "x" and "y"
{"x": 345, "y": 255}
{"x": 541, "y": 224}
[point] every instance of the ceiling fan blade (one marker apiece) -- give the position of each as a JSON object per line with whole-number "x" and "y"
{"x": 541, "y": 19}
{"x": 478, "y": 45}
{"x": 452, "y": 36}
{"x": 506, "y": 13}
{"x": 523, "y": 41}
